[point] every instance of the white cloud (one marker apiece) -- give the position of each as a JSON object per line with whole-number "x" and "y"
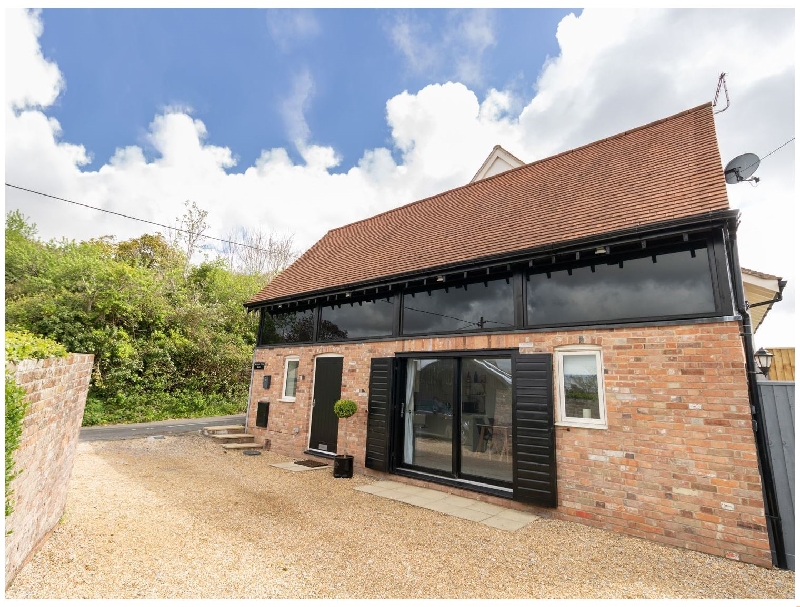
{"x": 291, "y": 27}
{"x": 615, "y": 71}
{"x": 31, "y": 81}
{"x": 294, "y": 107}
{"x": 455, "y": 52}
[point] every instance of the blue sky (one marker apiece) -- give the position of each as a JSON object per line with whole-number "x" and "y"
{"x": 296, "y": 122}
{"x": 235, "y": 67}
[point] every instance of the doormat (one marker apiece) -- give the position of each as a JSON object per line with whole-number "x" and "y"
{"x": 310, "y": 463}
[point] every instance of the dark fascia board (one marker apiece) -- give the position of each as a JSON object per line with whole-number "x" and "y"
{"x": 652, "y": 230}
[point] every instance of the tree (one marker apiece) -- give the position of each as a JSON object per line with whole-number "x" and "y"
{"x": 191, "y": 227}
{"x": 257, "y": 252}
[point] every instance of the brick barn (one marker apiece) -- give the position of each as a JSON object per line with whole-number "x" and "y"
{"x": 563, "y": 337}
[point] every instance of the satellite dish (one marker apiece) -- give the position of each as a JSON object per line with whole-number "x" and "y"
{"x": 742, "y": 168}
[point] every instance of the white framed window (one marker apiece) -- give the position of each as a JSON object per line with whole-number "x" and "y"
{"x": 580, "y": 391}
{"x": 289, "y": 391}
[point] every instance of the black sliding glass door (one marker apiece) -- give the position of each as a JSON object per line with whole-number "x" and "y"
{"x": 428, "y": 421}
{"x": 456, "y": 419}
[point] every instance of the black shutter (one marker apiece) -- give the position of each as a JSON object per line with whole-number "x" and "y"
{"x": 379, "y": 414}
{"x": 534, "y": 429}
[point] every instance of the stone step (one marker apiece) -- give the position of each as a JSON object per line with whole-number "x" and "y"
{"x": 217, "y": 430}
{"x": 234, "y": 438}
{"x": 243, "y": 446}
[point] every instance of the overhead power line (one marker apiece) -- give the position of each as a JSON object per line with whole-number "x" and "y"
{"x": 760, "y": 160}
{"x": 161, "y": 225}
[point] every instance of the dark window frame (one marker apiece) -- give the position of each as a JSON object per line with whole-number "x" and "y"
{"x": 705, "y": 241}
{"x": 712, "y": 239}
{"x": 509, "y": 276}
{"x": 314, "y": 322}
{"x": 456, "y": 479}
{"x": 354, "y": 301}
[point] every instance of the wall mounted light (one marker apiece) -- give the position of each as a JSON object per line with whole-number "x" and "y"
{"x": 764, "y": 360}
{"x": 600, "y": 251}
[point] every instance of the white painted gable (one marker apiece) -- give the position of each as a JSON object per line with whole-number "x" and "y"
{"x": 498, "y": 161}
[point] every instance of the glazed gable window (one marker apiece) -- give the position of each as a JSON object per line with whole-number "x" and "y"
{"x": 359, "y": 319}
{"x": 289, "y": 391}
{"x": 478, "y": 306}
{"x": 655, "y": 284}
{"x": 286, "y": 327}
{"x": 579, "y": 387}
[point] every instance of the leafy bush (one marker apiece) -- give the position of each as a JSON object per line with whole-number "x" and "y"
{"x": 15, "y": 413}
{"x": 344, "y": 408}
{"x": 132, "y": 408}
{"x": 23, "y": 344}
{"x": 161, "y": 331}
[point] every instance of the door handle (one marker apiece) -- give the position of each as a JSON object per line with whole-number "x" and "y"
{"x": 313, "y": 402}
{"x": 402, "y": 409}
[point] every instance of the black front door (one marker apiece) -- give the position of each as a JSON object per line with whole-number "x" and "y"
{"x": 327, "y": 390}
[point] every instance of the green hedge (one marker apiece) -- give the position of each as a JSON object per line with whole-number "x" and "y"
{"x": 19, "y": 346}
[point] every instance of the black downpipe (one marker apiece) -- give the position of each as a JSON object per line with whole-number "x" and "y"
{"x": 757, "y": 410}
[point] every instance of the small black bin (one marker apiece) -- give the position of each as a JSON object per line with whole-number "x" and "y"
{"x": 262, "y": 414}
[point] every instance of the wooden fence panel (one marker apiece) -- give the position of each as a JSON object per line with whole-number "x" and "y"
{"x": 778, "y": 400}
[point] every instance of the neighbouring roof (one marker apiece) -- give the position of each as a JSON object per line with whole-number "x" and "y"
{"x": 760, "y": 274}
{"x": 759, "y": 287}
{"x": 665, "y": 170}
{"x": 498, "y": 161}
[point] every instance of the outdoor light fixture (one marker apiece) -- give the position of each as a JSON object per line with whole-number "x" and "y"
{"x": 764, "y": 360}
{"x": 440, "y": 279}
{"x": 348, "y": 294}
{"x": 600, "y": 251}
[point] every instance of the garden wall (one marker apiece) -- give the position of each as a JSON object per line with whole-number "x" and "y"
{"x": 56, "y": 392}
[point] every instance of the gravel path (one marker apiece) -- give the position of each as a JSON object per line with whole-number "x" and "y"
{"x": 179, "y": 518}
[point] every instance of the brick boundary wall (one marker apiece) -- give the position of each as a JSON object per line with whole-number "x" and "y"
{"x": 56, "y": 394}
{"x": 677, "y": 464}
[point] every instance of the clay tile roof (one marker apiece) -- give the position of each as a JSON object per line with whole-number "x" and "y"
{"x": 760, "y": 274}
{"x": 664, "y": 170}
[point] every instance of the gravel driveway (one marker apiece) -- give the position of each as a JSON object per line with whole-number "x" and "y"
{"x": 180, "y": 518}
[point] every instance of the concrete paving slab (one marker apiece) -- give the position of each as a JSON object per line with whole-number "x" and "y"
{"x": 470, "y": 515}
{"x": 506, "y": 524}
{"x": 421, "y": 500}
{"x": 517, "y": 515}
{"x": 492, "y": 515}
{"x": 488, "y": 508}
{"x": 292, "y": 467}
{"x": 389, "y": 484}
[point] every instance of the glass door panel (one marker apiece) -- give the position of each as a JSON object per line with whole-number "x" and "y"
{"x": 486, "y": 418}
{"x": 428, "y": 415}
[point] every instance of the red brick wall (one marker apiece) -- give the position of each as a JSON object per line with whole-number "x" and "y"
{"x": 56, "y": 394}
{"x": 677, "y": 463}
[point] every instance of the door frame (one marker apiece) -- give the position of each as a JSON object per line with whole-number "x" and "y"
{"x": 311, "y": 399}
{"x": 456, "y": 477}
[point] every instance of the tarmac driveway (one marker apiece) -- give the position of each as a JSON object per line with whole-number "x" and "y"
{"x": 179, "y": 518}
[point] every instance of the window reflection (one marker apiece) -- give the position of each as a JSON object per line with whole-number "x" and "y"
{"x": 482, "y": 305}
{"x": 289, "y": 327}
{"x": 675, "y": 283}
{"x": 486, "y": 418}
{"x": 359, "y": 319}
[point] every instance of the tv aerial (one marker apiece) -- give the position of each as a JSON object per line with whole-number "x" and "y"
{"x": 742, "y": 168}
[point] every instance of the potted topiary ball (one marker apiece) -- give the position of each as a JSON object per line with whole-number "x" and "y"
{"x": 343, "y": 464}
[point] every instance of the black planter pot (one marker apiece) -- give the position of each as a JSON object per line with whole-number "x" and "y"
{"x": 343, "y": 466}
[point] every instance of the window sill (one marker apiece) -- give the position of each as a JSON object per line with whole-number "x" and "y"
{"x": 579, "y": 424}
{"x": 287, "y": 400}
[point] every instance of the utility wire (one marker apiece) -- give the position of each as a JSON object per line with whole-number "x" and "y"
{"x": 161, "y": 225}
{"x": 770, "y": 154}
